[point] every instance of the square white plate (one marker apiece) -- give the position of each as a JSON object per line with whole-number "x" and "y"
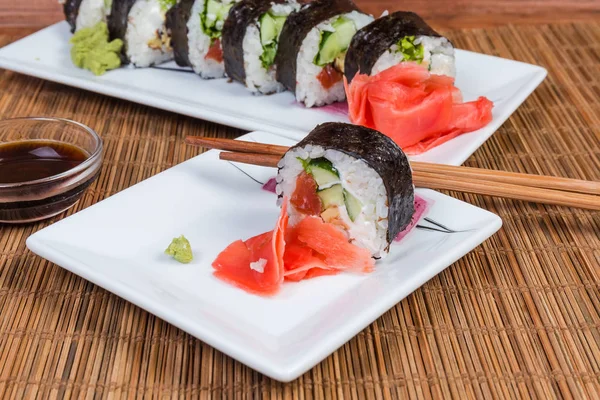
{"x": 118, "y": 244}
{"x": 45, "y": 55}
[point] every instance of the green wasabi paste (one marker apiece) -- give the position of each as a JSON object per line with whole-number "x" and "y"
{"x": 91, "y": 49}
{"x": 181, "y": 250}
{"x": 410, "y": 51}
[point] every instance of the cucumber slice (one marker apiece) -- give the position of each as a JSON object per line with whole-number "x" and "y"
{"x": 353, "y": 205}
{"x": 224, "y": 11}
{"x": 323, "y": 171}
{"x": 332, "y": 196}
{"x": 323, "y": 177}
{"x": 279, "y": 22}
{"x": 334, "y": 43}
{"x": 213, "y": 16}
{"x": 212, "y": 12}
{"x": 268, "y": 29}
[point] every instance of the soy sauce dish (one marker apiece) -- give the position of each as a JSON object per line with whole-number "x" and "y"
{"x": 46, "y": 164}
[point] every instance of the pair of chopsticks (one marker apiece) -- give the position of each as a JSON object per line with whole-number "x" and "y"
{"x": 510, "y": 185}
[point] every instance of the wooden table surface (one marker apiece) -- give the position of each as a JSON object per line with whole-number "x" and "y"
{"x": 441, "y": 13}
{"x": 519, "y": 317}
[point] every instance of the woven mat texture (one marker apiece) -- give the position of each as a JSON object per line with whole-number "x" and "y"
{"x": 518, "y": 317}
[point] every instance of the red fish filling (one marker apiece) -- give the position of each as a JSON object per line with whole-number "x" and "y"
{"x": 305, "y": 198}
{"x": 215, "y": 52}
{"x": 329, "y": 76}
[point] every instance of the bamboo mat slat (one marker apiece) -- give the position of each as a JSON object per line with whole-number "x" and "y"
{"x": 518, "y": 317}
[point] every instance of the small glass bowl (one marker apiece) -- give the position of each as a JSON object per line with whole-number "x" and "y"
{"x": 36, "y": 200}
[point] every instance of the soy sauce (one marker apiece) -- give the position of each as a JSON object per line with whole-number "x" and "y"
{"x": 37, "y": 159}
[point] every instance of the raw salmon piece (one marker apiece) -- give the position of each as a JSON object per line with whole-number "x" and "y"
{"x": 305, "y": 198}
{"x": 332, "y": 245}
{"x": 255, "y": 265}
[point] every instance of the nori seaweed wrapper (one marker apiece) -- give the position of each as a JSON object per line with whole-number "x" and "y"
{"x": 71, "y": 10}
{"x": 369, "y": 43}
{"x": 296, "y": 27}
{"x": 241, "y": 15}
{"x": 177, "y": 19}
{"x": 117, "y": 22}
{"x": 380, "y": 153}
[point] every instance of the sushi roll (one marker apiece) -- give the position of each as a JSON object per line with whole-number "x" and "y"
{"x": 177, "y": 19}
{"x": 199, "y": 44}
{"x": 141, "y": 26}
{"x": 353, "y": 177}
{"x": 395, "y": 38}
{"x": 312, "y": 46}
{"x": 85, "y": 13}
{"x": 250, "y": 38}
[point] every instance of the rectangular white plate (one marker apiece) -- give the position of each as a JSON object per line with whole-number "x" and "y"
{"x": 45, "y": 55}
{"x": 118, "y": 244}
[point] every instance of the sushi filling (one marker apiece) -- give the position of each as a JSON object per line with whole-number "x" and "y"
{"x": 320, "y": 62}
{"x": 342, "y": 190}
{"x": 148, "y": 42}
{"x": 260, "y": 47}
{"x": 91, "y": 12}
{"x": 434, "y": 53}
{"x": 204, "y": 36}
{"x": 213, "y": 17}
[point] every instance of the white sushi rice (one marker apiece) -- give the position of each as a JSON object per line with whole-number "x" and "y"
{"x": 91, "y": 12}
{"x": 259, "y": 79}
{"x": 438, "y": 56}
{"x": 146, "y": 21}
{"x": 199, "y": 44}
{"x": 308, "y": 88}
{"x": 369, "y": 229}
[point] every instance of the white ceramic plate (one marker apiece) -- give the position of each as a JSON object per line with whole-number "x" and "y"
{"x": 45, "y": 54}
{"x": 118, "y": 244}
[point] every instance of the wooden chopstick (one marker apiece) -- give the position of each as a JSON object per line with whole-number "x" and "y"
{"x": 262, "y": 160}
{"x": 460, "y": 184}
{"x": 236, "y": 145}
{"x": 449, "y": 171}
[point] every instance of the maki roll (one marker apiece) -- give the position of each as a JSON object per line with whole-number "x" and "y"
{"x": 353, "y": 177}
{"x": 395, "y": 38}
{"x": 250, "y": 38}
{"x": 204, "y": 27}
{"x": 177, "y": 19}
{"x": 85, "y": 13}
{"x": 141, "y": 26}
{"x": 312, "y": 47}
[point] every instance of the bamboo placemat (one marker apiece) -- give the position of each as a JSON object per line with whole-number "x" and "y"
{"x": 516, "y": 318}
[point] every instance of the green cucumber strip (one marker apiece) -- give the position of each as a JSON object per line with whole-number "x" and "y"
{"x": 332, "y": 196}
{"x": 353, "y": 205}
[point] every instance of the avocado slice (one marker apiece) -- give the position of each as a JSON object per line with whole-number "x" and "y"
{"x": 333, "y": 196}
{"x": 353, "y": 205}
{"x": 334, "y": 43}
